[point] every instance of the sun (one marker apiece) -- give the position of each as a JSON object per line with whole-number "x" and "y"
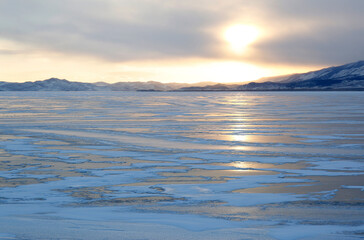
{"x": 240, "y": 36}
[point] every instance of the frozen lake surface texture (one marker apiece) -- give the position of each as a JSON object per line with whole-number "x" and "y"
{"x": 199, "y": 165}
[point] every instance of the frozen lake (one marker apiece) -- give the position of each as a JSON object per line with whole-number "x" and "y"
{"x": 181, "y": 165}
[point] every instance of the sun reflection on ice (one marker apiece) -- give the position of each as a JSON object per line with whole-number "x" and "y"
{"x": 240, "y": 138}
{"x": 245, "y": 165}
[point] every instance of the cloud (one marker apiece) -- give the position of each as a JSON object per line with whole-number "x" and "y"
{"x": 8, "y": 52}
{"x": 314, "y": 32}
{"x": 299, "y": 31}
{"x": 116, "y": 30}
{"x": 328, "y": 46}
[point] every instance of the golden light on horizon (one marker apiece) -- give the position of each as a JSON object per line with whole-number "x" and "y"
{"x": 240, "y": 36}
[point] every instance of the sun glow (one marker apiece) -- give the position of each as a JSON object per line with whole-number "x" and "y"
{"x": 240, "y": 36}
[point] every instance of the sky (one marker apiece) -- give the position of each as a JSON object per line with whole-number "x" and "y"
{"x": 176, "y": 41}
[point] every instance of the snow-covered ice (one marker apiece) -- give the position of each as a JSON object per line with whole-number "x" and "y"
{"x": 177, "y": 165}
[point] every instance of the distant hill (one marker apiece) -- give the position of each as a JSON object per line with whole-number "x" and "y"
{"x": 55, "y": 84}
{"x": 344, "y": 78}
{"x": 52, "y": 84}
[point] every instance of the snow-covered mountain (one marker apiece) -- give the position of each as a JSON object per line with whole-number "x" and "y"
{"x": 345, "y": 77}
{"x": 347, "y": 71}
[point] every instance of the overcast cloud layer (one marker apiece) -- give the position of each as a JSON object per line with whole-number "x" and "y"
{"x": 298, "y": 31}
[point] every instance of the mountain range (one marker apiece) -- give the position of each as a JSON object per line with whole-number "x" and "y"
{"x": 344, "y": 78}
{"x": 55, "y": 84}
